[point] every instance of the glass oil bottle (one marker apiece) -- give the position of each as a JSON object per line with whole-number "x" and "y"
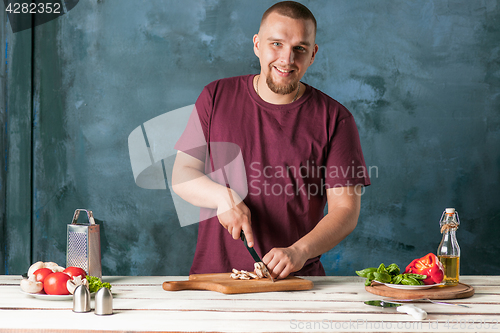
{"x": 448, "y": 251}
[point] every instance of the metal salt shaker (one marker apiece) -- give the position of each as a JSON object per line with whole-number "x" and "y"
{"x": 103, "y": 302}
{"x": 81, "y": 299}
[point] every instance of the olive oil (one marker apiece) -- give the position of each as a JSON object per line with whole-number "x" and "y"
{"x": 448, "y": 251}
{"x": 451, "y": 267}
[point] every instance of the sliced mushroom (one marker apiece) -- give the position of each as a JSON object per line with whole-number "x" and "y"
{"x": 259, "y": 269}
{"x": 242, "y": 275}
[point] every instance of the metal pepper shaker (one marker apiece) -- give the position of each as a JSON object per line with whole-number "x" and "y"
{"x": 103, "y": 302}
{"x": 81, "y": 299}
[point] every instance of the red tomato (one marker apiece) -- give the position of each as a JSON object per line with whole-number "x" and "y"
{"x": 75, "y": 271}
{"x": 41, "y": 274}
{"x": 55, "y": 284}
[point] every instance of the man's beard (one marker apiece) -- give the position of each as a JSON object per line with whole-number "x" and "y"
{"x": 281, "y": 89}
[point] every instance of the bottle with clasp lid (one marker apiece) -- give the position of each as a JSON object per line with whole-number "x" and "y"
{"x": 448, "y": 251}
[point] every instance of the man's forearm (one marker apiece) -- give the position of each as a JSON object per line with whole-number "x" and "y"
{"x": 196, "y": 188}
{"x": 191, "y": 183}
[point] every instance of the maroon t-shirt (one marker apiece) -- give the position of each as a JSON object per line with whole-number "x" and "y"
{"x": 290, "y": 155}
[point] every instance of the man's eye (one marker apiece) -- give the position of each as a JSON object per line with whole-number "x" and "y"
{"x": 300, "y": 48}
{"x": 276, "y": 44}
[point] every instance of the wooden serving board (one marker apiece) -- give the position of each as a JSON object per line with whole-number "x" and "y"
{"x": 223, "y": 283}
{"x": 461, "y": 290}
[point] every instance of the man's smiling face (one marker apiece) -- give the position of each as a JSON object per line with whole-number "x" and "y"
{"x": 286, "y": 48}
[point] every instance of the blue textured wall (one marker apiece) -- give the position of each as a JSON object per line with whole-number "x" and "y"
{"x": 422, "y": 79}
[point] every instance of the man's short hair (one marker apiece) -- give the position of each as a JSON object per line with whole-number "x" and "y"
{"x": 290, "y": 9}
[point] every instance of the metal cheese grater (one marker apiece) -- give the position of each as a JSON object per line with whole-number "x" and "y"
{"x": 84, "y": 245}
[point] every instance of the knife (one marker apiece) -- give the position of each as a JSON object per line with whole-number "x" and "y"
{"x": 428, "y": 300}
{"x": 410, "y": 309}
{"x": 255, "y": 256}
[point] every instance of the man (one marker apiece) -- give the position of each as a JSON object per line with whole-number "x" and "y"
{"x": 300, "y": 150}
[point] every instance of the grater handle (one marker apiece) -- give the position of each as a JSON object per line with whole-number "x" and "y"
{"x": 90, "y": 215}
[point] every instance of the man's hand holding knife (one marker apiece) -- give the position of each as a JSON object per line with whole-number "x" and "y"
{"x": 236, "y": 218}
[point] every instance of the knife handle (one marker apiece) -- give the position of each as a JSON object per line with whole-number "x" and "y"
{"x": 411, "y": 309}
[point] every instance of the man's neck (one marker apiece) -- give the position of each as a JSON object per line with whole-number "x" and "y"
{"x": 269, "y": 96}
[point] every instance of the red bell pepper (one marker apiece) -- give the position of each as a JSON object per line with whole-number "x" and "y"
{"x": 428, "y": 265}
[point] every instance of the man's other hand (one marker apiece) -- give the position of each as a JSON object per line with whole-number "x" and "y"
{"x": 281, "y": 261}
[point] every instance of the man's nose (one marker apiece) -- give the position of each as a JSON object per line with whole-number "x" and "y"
{"x": 287, "y": 56}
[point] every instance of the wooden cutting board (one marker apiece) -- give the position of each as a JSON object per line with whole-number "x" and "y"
{"x": 223, "y": 283}
{"x": 461, "y": 290}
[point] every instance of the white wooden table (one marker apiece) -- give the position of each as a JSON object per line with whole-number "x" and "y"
{"x": 334, "y": 304}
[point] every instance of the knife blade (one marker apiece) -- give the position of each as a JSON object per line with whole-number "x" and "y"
{"x": 428, "y": 300}
{"x": 410, "y": 309}
{"x": 255, "y": 256}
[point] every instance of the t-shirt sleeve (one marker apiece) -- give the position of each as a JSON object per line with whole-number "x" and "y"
{"x": 345, "y": 164}
{"x": 193, "y": 140}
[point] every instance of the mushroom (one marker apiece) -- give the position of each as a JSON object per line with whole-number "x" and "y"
{"x": 31, "y": 285}
{"x": 242, "y": 275}
{"x": 34, "y": 267}
{"x": 259, "y": 267}
{"x": 51, "y": 265}
{"x": 75, "y": 282}
{"x": 54, "y": 267}
{"x": 58, "y": 269}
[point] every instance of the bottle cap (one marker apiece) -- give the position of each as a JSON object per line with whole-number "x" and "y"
{"x": 103, "y": 302}
{"x": 450, "y": 210}
{"x": 81, "y": 299}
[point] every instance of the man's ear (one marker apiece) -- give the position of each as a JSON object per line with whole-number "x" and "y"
{"x": 256, "y": 45}
{"x": 314, "y": 54}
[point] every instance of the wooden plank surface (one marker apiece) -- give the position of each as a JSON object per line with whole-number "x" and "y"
{"x": 334, "y": 304}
